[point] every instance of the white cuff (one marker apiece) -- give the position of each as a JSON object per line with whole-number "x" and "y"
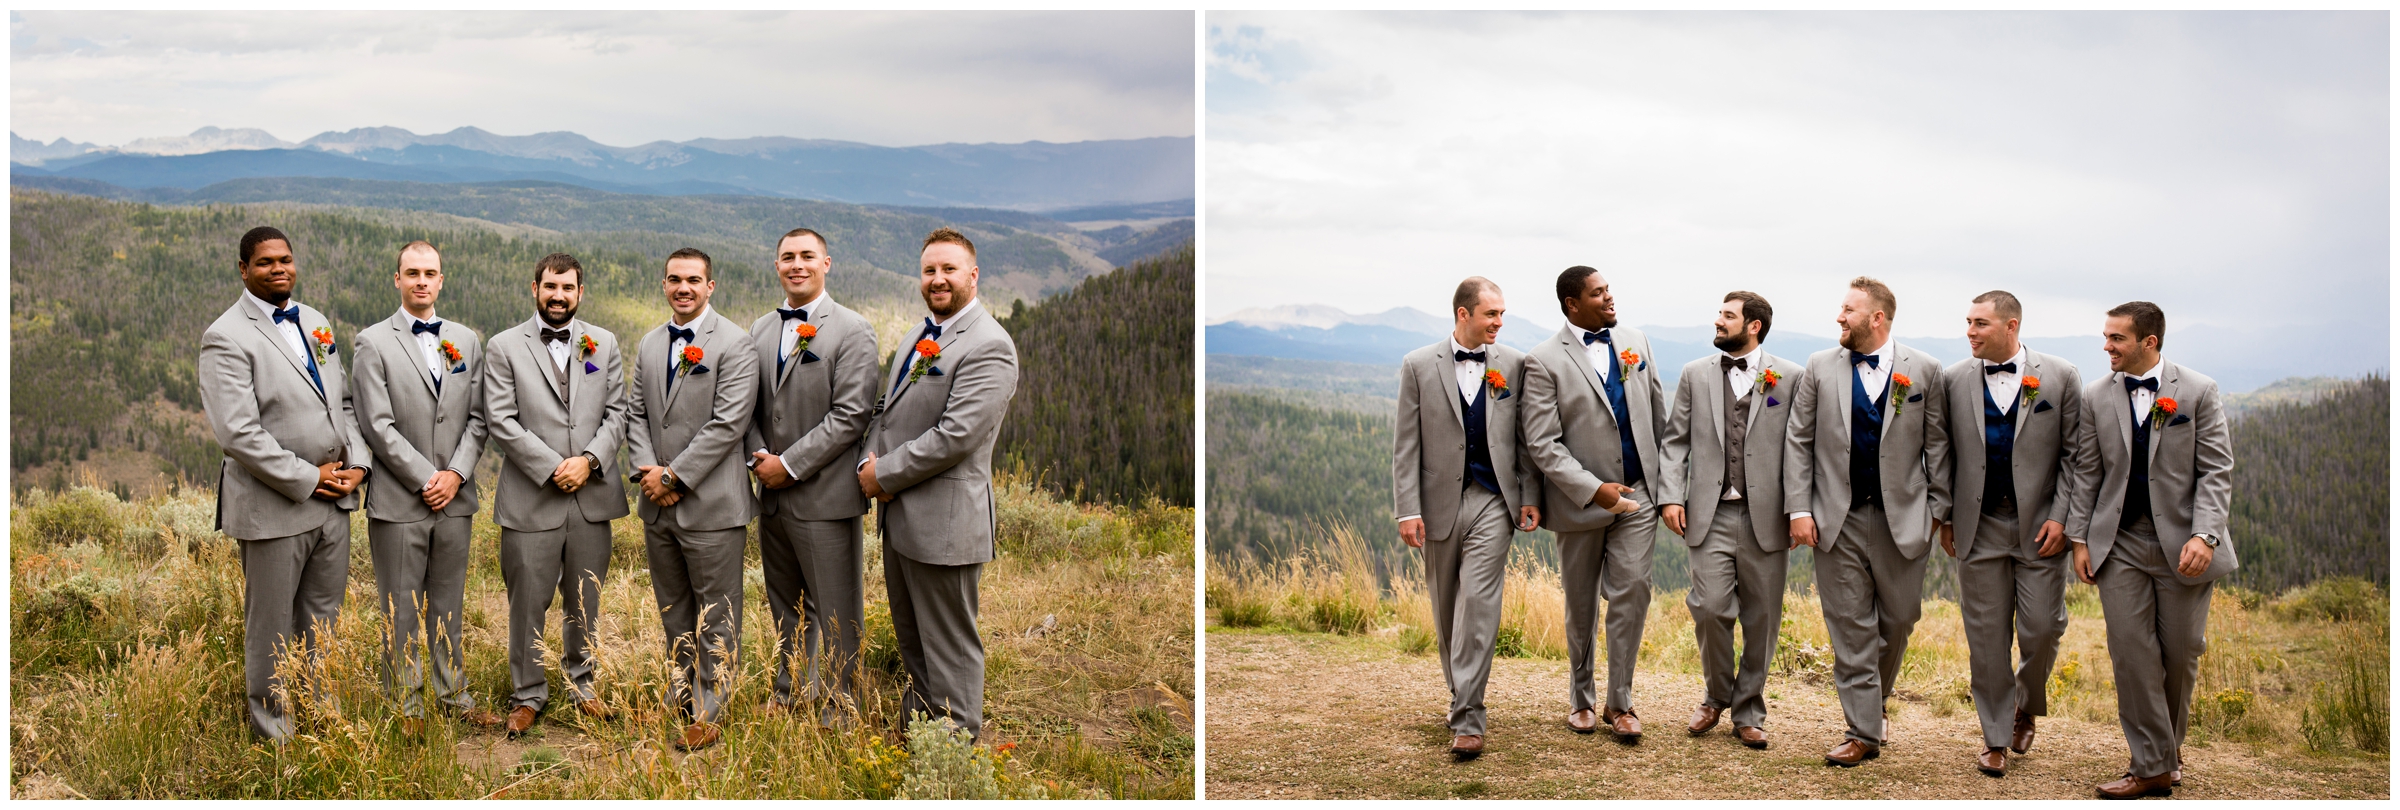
{"x": 1799, "y": 515}
{"x": 1407, "y": 519}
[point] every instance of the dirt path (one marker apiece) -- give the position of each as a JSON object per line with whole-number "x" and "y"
{"x": 1315, "y": 716}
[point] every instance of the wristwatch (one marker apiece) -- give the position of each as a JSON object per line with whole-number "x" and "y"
{"x": 595, "y": 460}
{"x": 2205, "y": 537}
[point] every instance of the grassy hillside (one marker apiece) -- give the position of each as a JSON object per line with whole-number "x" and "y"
{"x": 1104, "y": 404}
{"x": 125, "y": 674}
{"x": 2312, "y": 487}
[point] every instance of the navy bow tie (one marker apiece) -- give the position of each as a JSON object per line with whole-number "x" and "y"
{"x": 1597, "y": 337}
{"x": 2135, "y": 382}
{"x": 1872, "y": 361}
{"x": 2007, "y": 367}
{"x": 422, "y": 327}
{"x": 933, "y": 331}
{"x": 1466, "y": 356}
{"x": 675, "y": 333}
{"x": 789, "y": 314}
{"x": 292, "y": 314}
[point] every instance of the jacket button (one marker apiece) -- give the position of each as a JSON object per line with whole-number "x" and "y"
{"x": 440, "y": 418}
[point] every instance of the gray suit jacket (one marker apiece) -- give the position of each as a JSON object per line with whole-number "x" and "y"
{"x": 933, "y": 438}
{"x": 814, "y": 412}
{"x": 273, "y": 424}
{"x": 414, "y": 431}
{"x": 2041, "y": 462}
{"x": 2191, "y": 468}
{"x": 1429, "y": 443}
{"x": 535, "y": 428}
{"x": 696, "y": 428}
{"x": 1562, "y": 389}
{"x": 1914, "y": 456}
{"x": 1692, "y": 454}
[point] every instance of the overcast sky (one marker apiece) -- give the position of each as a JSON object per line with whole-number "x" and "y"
{"x": 2233, "y": 168}
{"x": 892, "y": 79}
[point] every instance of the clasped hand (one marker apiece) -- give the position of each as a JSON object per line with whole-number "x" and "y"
{"x": 335, "y": 483}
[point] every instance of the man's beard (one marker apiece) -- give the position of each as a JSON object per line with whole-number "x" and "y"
{"x": 1729, "y": 343}
{"x": 958, "y": 301}
{"x": 1607, "y": 320}
{"x": 276, "y": 297}
{"x": 560, "y": 321}
{"x": 1850, "y": 336}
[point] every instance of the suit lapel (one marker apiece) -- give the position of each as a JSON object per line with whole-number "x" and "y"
{"x": 1449, "y": 385}
{"x": 1759, "y": 394}
{"x": 674, "y": 365}
{"x": 2121, "y": 401}
{"x": 266, "y": 326}
{"x": 1716, "y": 387}
{"x": 1583, "y": 362}
{"x": 950, "y": 335}
{"x": 539, "y": 352}
{"x": 2024, "y": 409}
{"x": 1891, "y": 388}
{"x": 2167, "y": 378}
{"x": 407, "y": 342}
{"x": 770, "y": 345}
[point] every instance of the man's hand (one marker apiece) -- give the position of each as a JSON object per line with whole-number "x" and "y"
{"x": 866, "y": 481}
{"x": 2053, "y": 539}
{"x": 1948, "y": 546}
{"x": 1412, "y": 532}
{"x": 1623, "y": 506}
{"x": 441, "y": 490}
{"x": 1529, "y": 517}
{"x": 2083, "y": 563}
{"x": 572, "y": 473}
{"x": 1673, "y": 515}
{"x": 2197, "y": 554}
{"x": 770, "y": 470}
{"x": 1804, "y": 532}
{"x": 331, "y": 485}
{"x": 654, "y": 486}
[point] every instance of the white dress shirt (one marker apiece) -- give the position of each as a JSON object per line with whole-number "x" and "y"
{"x": 1598, "y": 353}
{"x": 2143, "y": 398}
{"x": 430, "y": 343}
{"x": 791, "y": 332}
{"x": 675, "y": 344}
{"x": 559, "y": 349}
{"x": 1740, "y": 380}
{"x": 1470, "y": 372}
{"x": 291, "y": 330}
{"x": 2004, "y": 385}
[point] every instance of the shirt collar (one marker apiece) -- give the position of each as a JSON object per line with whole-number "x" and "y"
{"x": 265, "y": 307}
{"x": 2018, "y": 359}
{"x": 1885, "y": 353}
{"x": 1753, "y": 353}
{"x": 823, "y": 295}
{"x": 2152, "y": 374}
{"x": 962, "y": 311}
{"x": 437, "y": 317}
{"x": 1456, "y": 347}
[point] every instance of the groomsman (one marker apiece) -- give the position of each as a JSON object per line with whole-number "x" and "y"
{"x": 691, "y": 405}
{"x": 554, "y": 401}
{"x": 2152, "y": 496}
{"x": 2012, "y": 419}
{"x": 418, "y": 384}
{"x": 1866, "y": 473}
{"x": 817, "y": 360}
{"x": 1721, "y": 488}
{"x": 929, "y": 461}
{"x": 271, "y": 381}
{"x": 1596, "y": 378}
{"x": 1465, "y": 526}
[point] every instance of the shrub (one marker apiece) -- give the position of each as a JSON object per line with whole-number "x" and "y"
{"x": 2338, "y": 599}
{"x": 2351, "y": 709}
{"x": 1338, "y": 612}
{"x": 1414, "y": 640}
{"x": 82, "y": 514}
{"x": 1234, "y": 610}
{"x": 944, "y": 764}
{"x": 1510, "y": 643}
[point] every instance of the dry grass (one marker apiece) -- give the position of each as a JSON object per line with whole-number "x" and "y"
{"x": 126, "y": 673}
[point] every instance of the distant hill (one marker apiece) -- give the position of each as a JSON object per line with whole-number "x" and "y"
{"x": 1023, "y": 175}
{"x": 1103, "y": 408}
{"x": 2312, "y": 487}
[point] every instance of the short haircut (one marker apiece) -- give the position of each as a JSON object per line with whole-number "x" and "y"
{"x": 708, "y": 269}
{"x": 558, "y": 263}
{"x": 1470, "y": 292}
{"x": 2148, "y": 320}
{"x": 2004, "y": 305}
{"x": 1754, "y": 308}
{"x": 1876, "y": 292}
{"x": 262, "y": 233}
{"x": 828, "y": 246}
{"x": 399, "y": 260}
{"x": 950, "y": 235}
{"x": 1570, "y": 283}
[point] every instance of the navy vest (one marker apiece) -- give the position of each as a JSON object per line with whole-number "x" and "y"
{"x": 2137, "y": 488}
{"x": 1479, "y": 448}
{"x": 1866, "y": 442}
{"x": 1999, "y": 451}
{"x": 1613, "y": 381}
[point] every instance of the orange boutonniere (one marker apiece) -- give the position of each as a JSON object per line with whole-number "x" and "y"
{"x": 690, "y": 363}
{"x": 590, "y": 345}
{"x": 1767, "y": 378}
{"x": 324, "y": 338}
{"x": 1628, "y": 358}
{"x": 2033, "y": 388}
{"x": 450, "y": 352}
{"x": 2161, "y": 410}
{"x": 927, "y": 352}
{"x": 1498, "y": 382}
{"x": 1900, "y": 384}
{"x": 807, "y": 331}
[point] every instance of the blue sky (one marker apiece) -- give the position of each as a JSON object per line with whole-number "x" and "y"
{"x": 891, "y": 79}
{"x": 2233, "y": 168}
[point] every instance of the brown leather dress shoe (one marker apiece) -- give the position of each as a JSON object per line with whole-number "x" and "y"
{"x": 1851, "y": 752}
{"x": 1752, "y": 736}
{"x": 520, "y": 719}
{"x": 480, "y": 717}
{"x": 1705, "y": 718}
{"x": 593, "y": 709}
{"x": 2021, "y": 740}
{"x": 1627, "y": 727}
{"x": 412, "y": 726}
{"x": 1465, "y": 747}
{"x": 697, "y": 736}
{"x": 1992, "y": 762}
{"x": 1583, "y": 721}
{"x": 2132, "y": 787}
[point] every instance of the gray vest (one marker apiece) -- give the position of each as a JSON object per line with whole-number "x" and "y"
{"x": 1737, "y": 420}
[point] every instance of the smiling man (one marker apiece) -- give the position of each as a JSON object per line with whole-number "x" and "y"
{"x": 816, "y": 392}
{"x": 418, "y": 382}
{"x": 270, "y": 378}
{"x": 695, "y": 388}
{"x": 929, "y": 461}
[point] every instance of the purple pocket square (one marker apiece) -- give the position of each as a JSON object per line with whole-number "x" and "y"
{"x": 588, "y": 368}
{"x": 1772, "y": 403}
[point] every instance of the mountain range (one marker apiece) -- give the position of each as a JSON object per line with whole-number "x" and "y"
{"x": 2238, "y": 361}
{"x": 1026, "y": 176}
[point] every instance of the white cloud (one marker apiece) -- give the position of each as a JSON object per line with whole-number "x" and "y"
{"x": 2232, "y": 168}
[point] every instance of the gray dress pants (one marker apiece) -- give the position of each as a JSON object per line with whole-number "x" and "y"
{"x": 1463, "y": 574}
{"x": 1611, "y": 564}
{"x": 1872, "y": 597}
{"x": 1732, "y": 579}
{"x": 2157, "y": 629}
{"x": 816, "y": 592}
{"x": 571, "y": 560}
{"x": 933, "y": 616}
{"x": 697, "y": 577}
{"x": 292, "y": 590}
{"x": 2007, "y": 591}
{"x": 421, "y": 581}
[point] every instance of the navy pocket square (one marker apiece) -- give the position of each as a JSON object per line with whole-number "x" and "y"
{"x": 1503, "y": 395}
{"x": 698, "y": 369}
{"x": 2041, "y": 406}
{"x": 931, "y": 371}
{"x": 807, "y": 357}
{"x": 459, "y": 369}
{"x": 1916, "y": 398}
{"x": 2179, "y": 419}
